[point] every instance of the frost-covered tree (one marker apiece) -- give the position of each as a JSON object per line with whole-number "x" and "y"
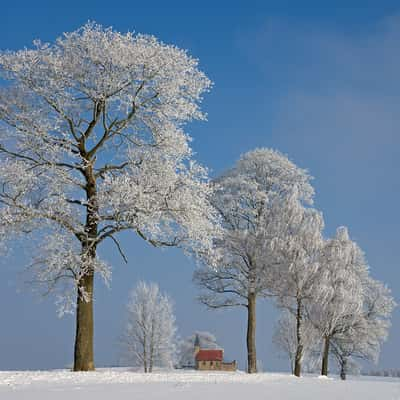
{"x": 249, "y": 198}
{"x": 92, "y": 144}
{"x": 206, "y": 340}
{"x": 339, "y": 299}
{"x": 286, "y": 338}
{"x": 149, "y": 336}
{"x": 362, "y": 338}
{"x": 295, "y": 280}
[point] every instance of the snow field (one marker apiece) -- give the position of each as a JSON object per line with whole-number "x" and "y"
{"x": 121, "y": 384}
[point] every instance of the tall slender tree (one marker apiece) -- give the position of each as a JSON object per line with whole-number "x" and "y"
{"x": 286, "y": 338}
{"x": 249, "y": 199}
{"x": 339, "y": 299}
{"x": 362, "y": 336}
{"x": 296, "y": 279}
{"x": 92, "y": 144}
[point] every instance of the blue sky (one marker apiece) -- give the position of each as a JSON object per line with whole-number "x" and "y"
{"x": 317, "y": 81}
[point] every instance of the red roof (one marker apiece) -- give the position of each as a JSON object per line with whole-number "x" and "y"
{"x": 209, "y": 355}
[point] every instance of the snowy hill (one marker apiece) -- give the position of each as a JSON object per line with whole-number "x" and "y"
{"x": 121, "y": 384}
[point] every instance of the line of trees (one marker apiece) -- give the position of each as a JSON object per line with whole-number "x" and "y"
{"x": 393, "y": 373}
{"x": 92, "y": 144}
{"x": 273, "y": 247}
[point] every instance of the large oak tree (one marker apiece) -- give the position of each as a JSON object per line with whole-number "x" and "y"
{"x": 92, "y": 144}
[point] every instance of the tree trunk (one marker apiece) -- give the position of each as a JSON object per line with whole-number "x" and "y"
{"x": 151, "y": 358}
{"x": 292, "y": 365}
{"x": 299, "y": 348}
{"x": 343, "y": 369}
{"x": 145, "y": 354}
{"x": 145, "y": 364}
{"x": 325, "y": 357}
{"x": 251, "y": 334}
{"x": 83, "y": 354}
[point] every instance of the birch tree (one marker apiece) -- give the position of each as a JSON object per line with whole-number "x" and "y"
{"x": 363, "y": 336}
{"x": 149, "y": 336}
{"x": 339, "y": 299}
{"x": 286, "y": 338}
{"x": 296, "y": 279}
{"x": 92, "y": 144}
{"x": 249, "y": 198}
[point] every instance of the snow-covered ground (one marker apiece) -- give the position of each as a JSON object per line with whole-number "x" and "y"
{"x": 121, "y": 384}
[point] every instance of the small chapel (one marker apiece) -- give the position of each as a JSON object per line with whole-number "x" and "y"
{"x": 211, "y": 359}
